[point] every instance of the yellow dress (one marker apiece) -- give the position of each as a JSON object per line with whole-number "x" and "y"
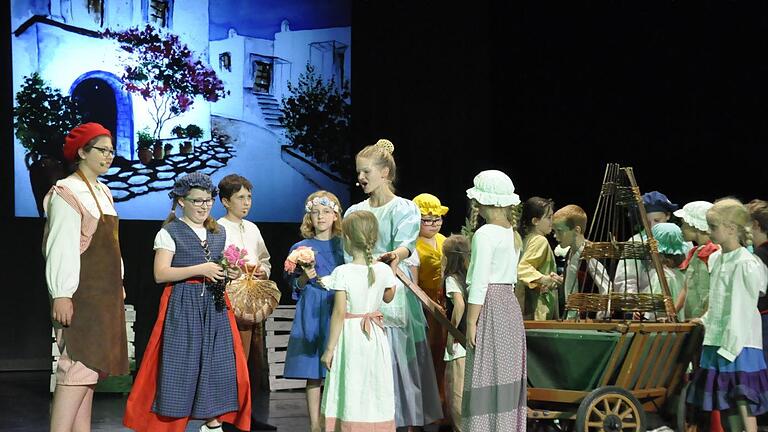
{"x": 537, "y": 261}
{"x": 431, "y": 281}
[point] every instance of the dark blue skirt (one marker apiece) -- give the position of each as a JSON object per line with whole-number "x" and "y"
{"x": 196, "y": 375}
{"x": 718, "y": 383}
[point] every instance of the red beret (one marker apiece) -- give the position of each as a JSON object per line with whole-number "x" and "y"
{"x": 78, "y": 137}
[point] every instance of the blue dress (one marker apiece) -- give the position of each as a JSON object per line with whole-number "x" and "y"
{"x": 197, "y": 375}
{"x": 313, "y": 312}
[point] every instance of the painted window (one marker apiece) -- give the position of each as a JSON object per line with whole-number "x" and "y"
{"x": 159, "y": 12}
{"x": 96, "y": 10}
{"x": 225, "y": 61}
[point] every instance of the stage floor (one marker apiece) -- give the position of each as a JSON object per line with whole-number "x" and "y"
{"x": 25, "y": 407}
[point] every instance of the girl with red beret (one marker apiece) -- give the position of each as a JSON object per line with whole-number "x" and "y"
{"x": 83, "y": 270}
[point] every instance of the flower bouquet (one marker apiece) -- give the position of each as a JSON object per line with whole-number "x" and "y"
{"x": 232, "y": 258}
{"x": 303, "y": 256}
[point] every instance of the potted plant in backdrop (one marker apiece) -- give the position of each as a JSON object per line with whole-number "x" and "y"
{"x": 42, "y": 118}
{"x": 194, "y": 132}
{"x": 157, "y": 150}
{"x": 167, "y": 148}
{"x": 181, "y": 132}
{"x": 144, "y": 143}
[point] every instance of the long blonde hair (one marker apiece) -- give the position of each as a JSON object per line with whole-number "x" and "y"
{"x": 361, "y": 230}
{"x": 512, "y": 213}
{"x": 381, "y": 156}
{"x": 307, "y": 229}
{"x": 732, "y": 211}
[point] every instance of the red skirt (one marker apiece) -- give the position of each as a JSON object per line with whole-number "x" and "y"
{"x": 138, "y": 410}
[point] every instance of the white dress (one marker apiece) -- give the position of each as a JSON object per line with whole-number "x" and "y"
{"x": 359, "y": 391}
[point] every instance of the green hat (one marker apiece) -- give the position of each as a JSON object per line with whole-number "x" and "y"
{"x": 670, "y": 238}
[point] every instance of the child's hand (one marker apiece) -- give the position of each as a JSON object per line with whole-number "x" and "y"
{"x": 471, "y": 335}
{"x": 260, "y": 273}
{"x": 327, "y": 359}
{"x": 233, "y": 273}
{"x": 309, "y": 271}
{"x": 390, "y": 258}
{"x": 557, "y": 278}
{"x": 212, "y": 271}
{"x": 62, "y": 310}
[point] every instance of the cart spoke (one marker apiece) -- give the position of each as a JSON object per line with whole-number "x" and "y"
{"x": 595, "y": 410}
{"x": 616, "y": 407}
{"x": 626, "y": 412}
{"x": 606, "y": 406}
{"x": 625, "y": 425}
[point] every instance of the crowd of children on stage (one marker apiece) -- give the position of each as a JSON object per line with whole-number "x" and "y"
{"x": 373, "y": 359}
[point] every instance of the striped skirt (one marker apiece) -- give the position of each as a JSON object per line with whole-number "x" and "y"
{"x": 718, "y": 383}
{"x": 495, "y": 375}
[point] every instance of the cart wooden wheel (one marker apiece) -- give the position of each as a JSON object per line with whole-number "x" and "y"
{"x": 688, "y": 417}
{"x": 610, "y": 409}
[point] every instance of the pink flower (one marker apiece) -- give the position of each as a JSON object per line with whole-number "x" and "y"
{"x": 302, "y": 255}
{"x": 234, "y": 257}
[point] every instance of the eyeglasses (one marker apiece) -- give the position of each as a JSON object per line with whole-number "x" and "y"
{"x": 199, "y": 202}
{"x": 105, "y": 151}
{"x": 432, "y": 222}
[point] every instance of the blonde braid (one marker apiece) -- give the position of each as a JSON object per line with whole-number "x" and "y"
{"x": 470, "y": 224}
{"x": 369, "y": 262}
{"x": 747, "y": 235}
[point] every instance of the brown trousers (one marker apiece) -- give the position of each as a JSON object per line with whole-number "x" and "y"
{"x": 255, "y": 349}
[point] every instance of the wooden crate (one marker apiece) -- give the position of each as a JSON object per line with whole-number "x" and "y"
{"x": 278, "y": 328}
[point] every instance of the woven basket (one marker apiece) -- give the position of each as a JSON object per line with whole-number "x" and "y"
{"x": 618, "y": 250}
{"x": 253, "y": 300}
{"x": 643, "y": 302}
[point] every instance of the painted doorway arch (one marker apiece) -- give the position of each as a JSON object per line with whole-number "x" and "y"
{"x": 101, "y": 98}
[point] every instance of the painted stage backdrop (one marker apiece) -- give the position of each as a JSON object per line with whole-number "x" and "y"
{"x": 255, "y": 87}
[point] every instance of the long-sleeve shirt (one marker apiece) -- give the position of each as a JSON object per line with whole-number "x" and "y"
{"x": 732, "y": 321}
{"x": 632, "y": 275}
{"x": 597, "y": 273}
{"x": 62, "y": 245}
{"x": 537, "y": 261}
{"x": 494, "y": 260}
{"x": 246, "y": 235}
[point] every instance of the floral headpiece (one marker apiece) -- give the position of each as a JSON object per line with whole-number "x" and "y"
{"x": 321, "y": 200}
{"x": 194, "y": 180}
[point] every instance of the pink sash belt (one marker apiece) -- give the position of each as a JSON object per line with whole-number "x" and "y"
{"x": 368, "y": 318}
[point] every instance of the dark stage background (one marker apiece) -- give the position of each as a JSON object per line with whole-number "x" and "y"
{"x": 547, "y": 92}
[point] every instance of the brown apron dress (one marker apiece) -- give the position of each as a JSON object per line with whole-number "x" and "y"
{"x": 96, "y": 336}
